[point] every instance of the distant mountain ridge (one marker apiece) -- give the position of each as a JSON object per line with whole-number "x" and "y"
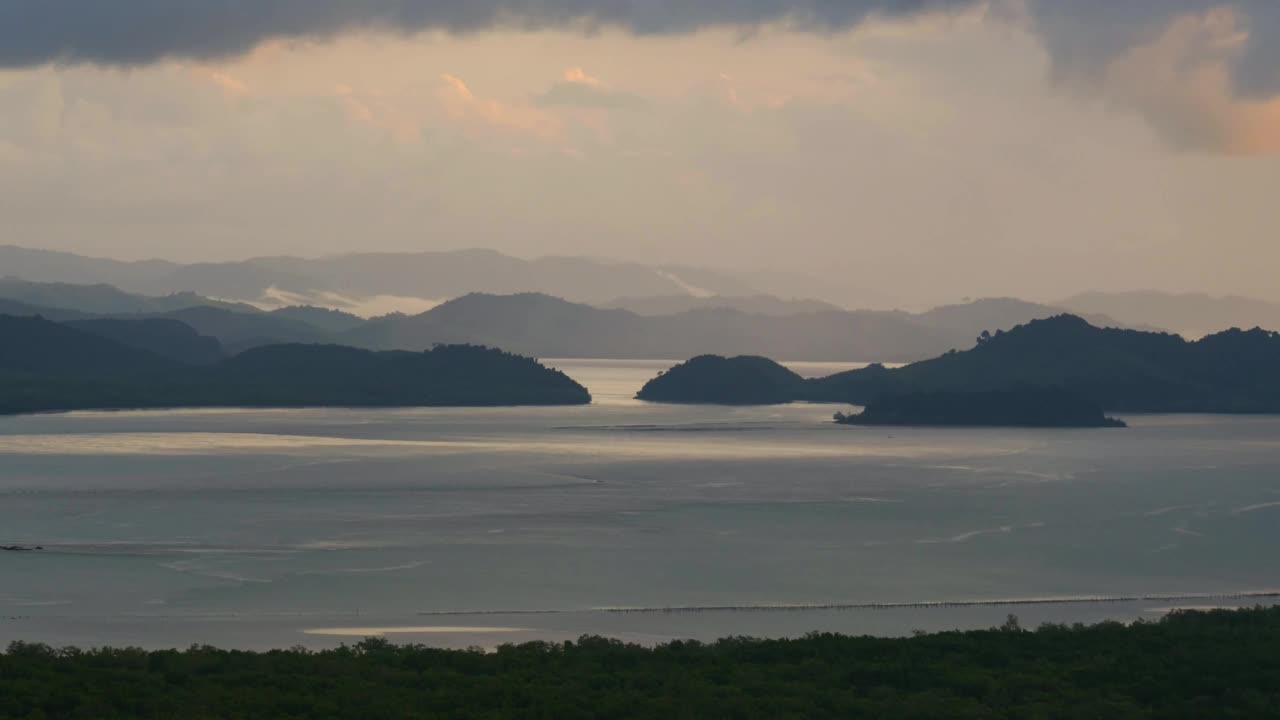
{"x": 545, "y": 326}
{"x": 104, "y": 299}
{"x": 1192, "y": 314}
{"x": 754, "y": 304}
{"x": 165, "y": 337}
{"x": 423, "y": 279}
{"x": 428, "y": 275}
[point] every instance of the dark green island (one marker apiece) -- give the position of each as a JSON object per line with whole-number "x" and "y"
{"x": 47, "y": 366}
{"x": 715, "y": 380}
{"x": 1234, "y": 371}
{"x": 1033, "y": 407}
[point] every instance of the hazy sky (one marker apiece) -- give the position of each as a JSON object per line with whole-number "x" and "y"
{"x": 911, "y": 150}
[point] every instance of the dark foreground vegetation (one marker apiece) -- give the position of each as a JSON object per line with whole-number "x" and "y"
{"x": 1029, "y": 407}
{"x": 47, "y": 366}
{"x": 1119, "y": 370}
{"x": 1220, "y": 664}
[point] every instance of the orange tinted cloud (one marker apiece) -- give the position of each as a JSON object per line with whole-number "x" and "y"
{"x": 373, "y": 109}
{"x": 1182, "y": 82}
{"x": 580, "y": 76}
{"x": 222, "y": 80}
{"x": 465, "y": 107}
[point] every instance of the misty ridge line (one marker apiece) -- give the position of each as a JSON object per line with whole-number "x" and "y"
{"x": 611, "y": 310}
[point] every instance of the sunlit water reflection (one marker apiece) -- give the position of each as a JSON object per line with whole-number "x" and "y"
{"x": 458, "y": 526}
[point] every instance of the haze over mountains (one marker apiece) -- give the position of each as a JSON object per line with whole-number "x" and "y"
{"x": 427, "y": 275}
{"x": 376, "y": 283}
{"x": 541, "y": 325}
{"x": 1190, "y": 314}
{"x": 553, "y": 307}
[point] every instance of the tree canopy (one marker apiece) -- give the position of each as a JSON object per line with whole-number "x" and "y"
{"x": 1219, "y": 664}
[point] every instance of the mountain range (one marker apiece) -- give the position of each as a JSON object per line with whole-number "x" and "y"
{"x": 667, "y": 317}
{"x": 374, "y": 283}
{"x": 1190, "y": 314}
{"x": 348, "y": 278}
{"x": 544, "y": 326}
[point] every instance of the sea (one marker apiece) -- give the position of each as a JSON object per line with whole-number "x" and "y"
{"x": 262, "y": 529}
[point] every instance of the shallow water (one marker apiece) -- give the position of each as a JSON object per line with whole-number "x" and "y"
{"x": 463, "y": 527}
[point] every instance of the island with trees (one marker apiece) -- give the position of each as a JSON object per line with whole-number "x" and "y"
{"x": 716, "y": 380}
{"x": 1189, "y": 664}
{"x": 1026, "y": 407}
{"x": 47, "y": 366}
{"x": 1118, "y": 370}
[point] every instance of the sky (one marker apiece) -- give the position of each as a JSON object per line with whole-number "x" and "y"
{"x": 892, "y": 151}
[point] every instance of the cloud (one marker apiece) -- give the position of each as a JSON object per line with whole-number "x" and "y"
{"x": 1204, "y": 74}
{"x": 578, "y": 89}
{"x": 1203, "y": 81}
{"x": 1183, "y": 82}
{"x": 373, "y": 109}
{"x": 135, "y": 32}
{"x": 226, "y": 82}
{"x": 466, "y": 108}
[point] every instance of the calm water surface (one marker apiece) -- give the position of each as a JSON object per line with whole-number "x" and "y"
{"x": 480, "y": 526}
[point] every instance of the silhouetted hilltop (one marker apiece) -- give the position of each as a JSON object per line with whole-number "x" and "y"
{"x": 17, "y": 308}
{"x": 164, "y": 337}
{"x": 1123, "y": 370}
{"x": 1193, "y": 314}
{"x": 752, "y": 304}
{"x": 293, "y": 375}
{"x": 971, "y": 318}
{"x": 426, "y": 275}
{"x": 48, "y": 366}
{"x": 104, "y": 299}
{"x": 240, "y": 331}
{"x": 35, "y": 347}
{"x": 235, "y": 331}
{"x": 333, "y": 321}
{"x": 544, "y": 326}
{"x": 713, "y": 379}
{"x": 1119, "y": 370}
{"x": 1026, "y": 407}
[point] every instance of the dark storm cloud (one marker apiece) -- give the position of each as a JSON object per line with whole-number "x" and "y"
{"x": 1084, "y": 36}
{"x": 135, "y": 32}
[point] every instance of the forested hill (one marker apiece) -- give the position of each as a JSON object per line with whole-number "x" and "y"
{"x": 46, "y": 366}
{"x": 716, "y": 380}
{"x": 35, "y": 347}
{"x": 1118, "y": 370}
{"x": 1036, "y": 408}
{"x": 1121, "y": 370}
